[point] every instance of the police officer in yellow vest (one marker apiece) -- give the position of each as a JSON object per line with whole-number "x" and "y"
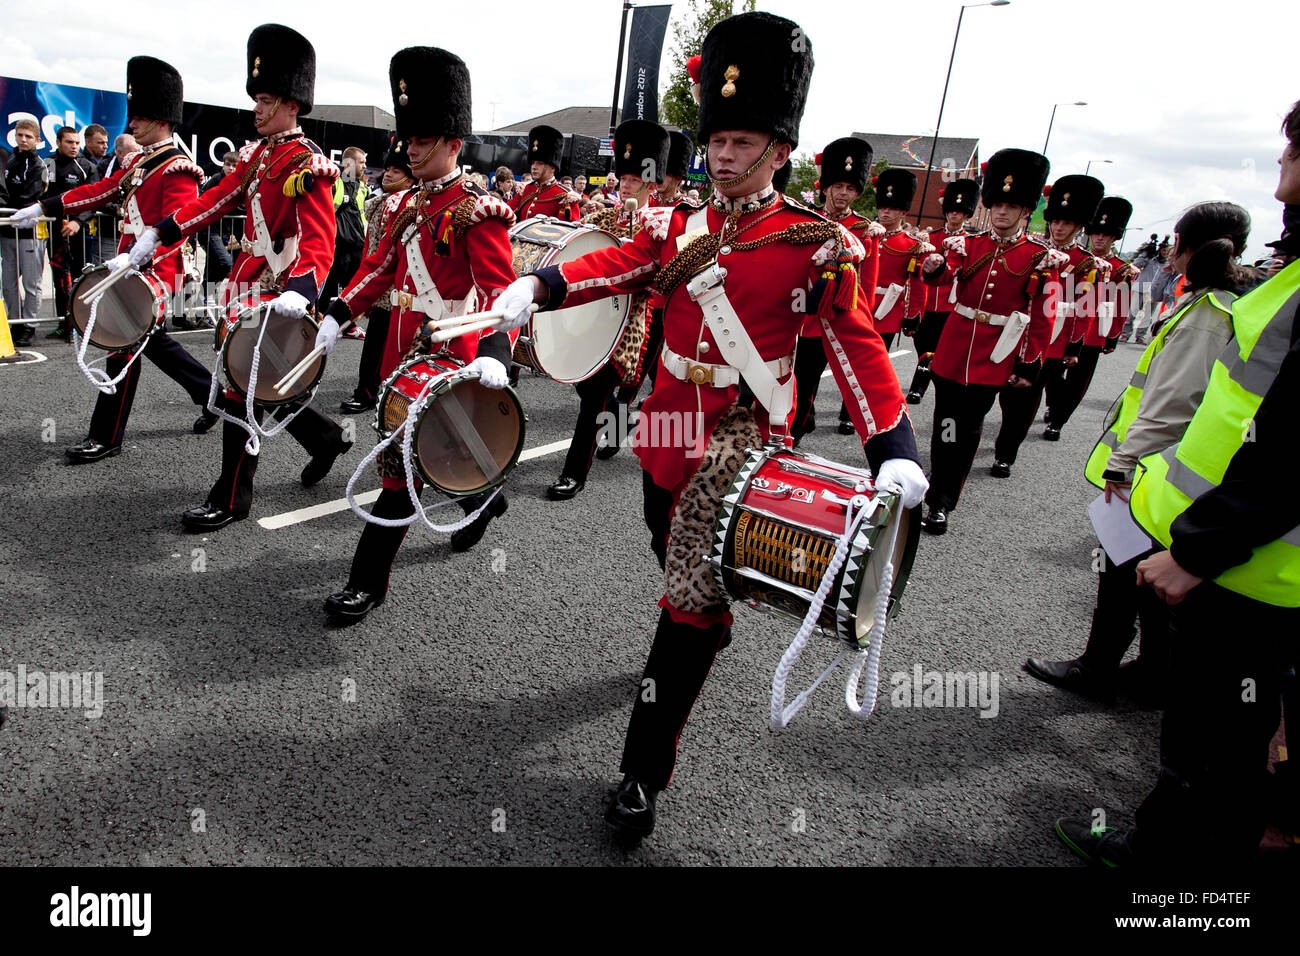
{"x": 1150, "y": 415}
{"x": 1223, "y": 501}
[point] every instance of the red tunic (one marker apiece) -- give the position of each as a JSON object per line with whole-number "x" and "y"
{"x": 475, "y": 263}
{"x": 900, "y": 264}
{"x": 1015, "y": 277}
{"x": 867, "y": 269}
{"x": 936, "y": 297}
{"x": 548, "y": 200}
{"x": 163, "y": 189}
{"x": 265, "y": 170}
{"x": 769, "y": 286}
{"x": 1115, "y": 290}
{"x": 1078, "y": 283}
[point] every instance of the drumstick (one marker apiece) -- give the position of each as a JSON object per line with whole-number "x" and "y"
{"x": 98, "y": 291}
{"x": 298, "y": 371}
{"x": 448, "y": 334}
{"x": 451, "y": 321}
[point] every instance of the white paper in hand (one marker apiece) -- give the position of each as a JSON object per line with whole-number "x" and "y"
{"x": 1118, "y": 533}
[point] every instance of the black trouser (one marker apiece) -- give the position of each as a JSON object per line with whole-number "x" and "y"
{"x": 373, "y": 562}
{"x": 675, "y": 671}
{"x": 650, "y": 364}
{"x": 108, "y": 421}
{"x": 594, "y": 394}
{"x": 67, "y": 258}
{"x": 346, "y": 261}
{"x": 888, "y": 339}
{"x": 1064, "y": 397}
{"x": 372, "y": 355}
{"x": 1229, "y": 658}
{"x": 809, "y": 364}
{"x": 959, "y": 412}
{"x": 926, "y": 341}
{"x": 1121, "y": 606}
{"x": 217, "y": 266}
{"x": 233, "y": 490}
{"x": 1020, "y": 408}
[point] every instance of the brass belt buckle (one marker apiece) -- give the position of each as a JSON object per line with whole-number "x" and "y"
{"x": 405, "y": 301}
{"x": 699, "y": 374}
{"x": 981, "y": 317}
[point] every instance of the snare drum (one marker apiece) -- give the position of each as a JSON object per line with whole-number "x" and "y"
{"x": 573, "y": 343}
{"x": 777, "y": 531}
{"x": 468, "y": 437}
{"x": 133, "y": 308}
{"x": 286, "y": 343}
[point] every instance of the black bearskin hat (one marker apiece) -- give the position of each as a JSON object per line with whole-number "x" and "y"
{"x": 846, "y": 160}
{"x": 754, "y": 75}
{"x": 282, "y": 62}
{"x": 396, "y": 156}
{"x": 1016, "y": 176}
{"x": 781, "y": 178}
{"x": 154, "y": 90}
{"x": 680, "y": 150}
{"x": 431, "y": 93}
{"x": 641, "y": 149}
{"x": 1074, "y": 199}
{"x": 1112, "y": 217}
{"x": 895, "y": 187}
{"x": 546, "y": 145}
{"x": 961, "y": 195}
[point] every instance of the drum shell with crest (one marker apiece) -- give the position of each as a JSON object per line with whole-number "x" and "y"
{"x": 467, "y": 438}
{"x": 778, "y": 528}
{"x": 570, "y": 344}
{"x": 128, "y": 313}
{"x": 287, "y": 341}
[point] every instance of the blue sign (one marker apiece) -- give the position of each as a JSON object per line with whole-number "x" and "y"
{"x": 53, "y": 105}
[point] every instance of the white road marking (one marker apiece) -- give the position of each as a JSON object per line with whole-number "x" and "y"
{"x": 276, "y": 522}
{"x": 895, "y": 354}
{"x": 36, "y": 358}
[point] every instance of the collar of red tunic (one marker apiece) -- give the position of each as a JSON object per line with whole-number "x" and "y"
{"x": 1014, "y": 237}
{"x": 438, "y": 185}
{"x": 275, "y": 139}
{"x": 744, "y": 203}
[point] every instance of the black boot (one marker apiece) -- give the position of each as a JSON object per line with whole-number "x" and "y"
{"x": 373, "y": 561}
{"x": 471, "y": 534}
{"x": 920, "y": 383}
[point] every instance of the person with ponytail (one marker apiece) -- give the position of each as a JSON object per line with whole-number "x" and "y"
{"x": 1151, "y": 415}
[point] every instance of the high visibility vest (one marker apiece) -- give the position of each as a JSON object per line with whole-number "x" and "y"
{"x": 1125, "y": 410}
{"x": 1170, "y": 480}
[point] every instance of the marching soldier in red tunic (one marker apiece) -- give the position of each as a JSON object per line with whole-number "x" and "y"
{"x": 1071, "y": 204}
{"x": 460, "y": 235}
{"x": 640, "y": 155}
{"x": 959, "y": 200}
{"x": 845, "y": 166}
{"x": 999, "y": 326}
{"x": 287, "y": 186}
{"x": 751, "y": 264}
{"x": 148, "y": 185}
{"x": 899, "y": 293}
{"x": 1111, "y": 296}
{"x": 544, "y": 196}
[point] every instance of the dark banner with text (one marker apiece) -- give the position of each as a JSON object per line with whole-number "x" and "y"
{"x": 644, "y": 50}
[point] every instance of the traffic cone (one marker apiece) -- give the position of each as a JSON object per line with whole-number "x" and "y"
{"x": 7, "y": 351}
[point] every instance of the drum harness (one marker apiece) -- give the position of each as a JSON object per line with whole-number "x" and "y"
{"x": 707, "y": 290}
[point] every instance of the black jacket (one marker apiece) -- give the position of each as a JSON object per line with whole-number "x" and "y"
{"x": 351, "y": 228}
{"x": 25, "y": 182}
{"x": 66, "y": 174}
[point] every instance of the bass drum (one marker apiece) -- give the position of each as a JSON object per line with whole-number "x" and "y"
{"x": 133, "y": 308}
{"x": 573, "y": 343}
{"x": 778, "y": 528}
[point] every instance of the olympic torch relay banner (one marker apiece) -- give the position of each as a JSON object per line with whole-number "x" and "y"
{"x": 644, "y": 50}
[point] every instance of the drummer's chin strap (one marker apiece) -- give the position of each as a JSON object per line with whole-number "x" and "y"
{"x": 869, "y": 659}
{"x": 407, "y": 431}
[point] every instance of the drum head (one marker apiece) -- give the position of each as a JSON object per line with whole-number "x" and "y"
{"x": 286, "y": 342}
{"x": 574, "y": 343}
{"x": 125, "y": 314}
{"x": 469, "y": 437}
{"x": 901, "y": 555}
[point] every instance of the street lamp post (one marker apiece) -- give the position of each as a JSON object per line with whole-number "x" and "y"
{"x": 934, "y": 144}
{"x": 1091, "y": 161}
{"x": 1053, "y": 120}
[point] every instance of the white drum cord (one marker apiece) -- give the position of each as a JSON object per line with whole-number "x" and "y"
{"x": 99, "y": 377}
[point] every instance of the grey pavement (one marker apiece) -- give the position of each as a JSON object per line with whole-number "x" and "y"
{"x": 493, "y": 688}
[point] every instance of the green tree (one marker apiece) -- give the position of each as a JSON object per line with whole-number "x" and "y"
{"x": 677, "y": 107}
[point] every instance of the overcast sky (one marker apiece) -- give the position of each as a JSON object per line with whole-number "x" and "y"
{"x": 1185, "y": 100}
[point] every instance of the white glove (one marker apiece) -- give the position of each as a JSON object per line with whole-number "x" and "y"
{"x": 144, "y": 247}
{"x": 119, "y": 262}
{"x": 876, "y": 230}
{"x": 490, "y": 372}
{"x": 924, "y": 248}
{"x": 292, "y": 304}
{"x": 27, "y": 215}
{"x": 932, "y": 262}
{"x": 327, "y": 336}
{"x": 1056, "y": 259}
{"x": 515, "y": 303}
{"x": 956, "y": 245}
{"x": 903, "y": 477}
{"x": 573, "y": 196}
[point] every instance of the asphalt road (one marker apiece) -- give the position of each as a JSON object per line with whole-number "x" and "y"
{"x": 493, "y": 688}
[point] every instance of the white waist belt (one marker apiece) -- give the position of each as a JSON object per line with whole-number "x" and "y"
{"x": 980, "y": 316}
{"x": 410, "y": 302}
{"x": 719, "y": 376}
